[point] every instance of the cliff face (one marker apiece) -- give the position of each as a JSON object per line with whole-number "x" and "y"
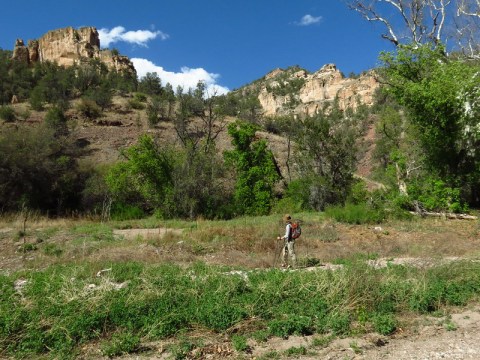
{"x": 68, "y": 47}
{"x": 301, "y": 93}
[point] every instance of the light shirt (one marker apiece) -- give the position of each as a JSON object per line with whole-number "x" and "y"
{"x": 288, "y": 232}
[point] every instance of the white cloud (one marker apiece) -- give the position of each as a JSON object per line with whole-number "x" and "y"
{"x": 138, "y": 37}
{"x": 309, "y": 20}
{"x": 187, "y": 77}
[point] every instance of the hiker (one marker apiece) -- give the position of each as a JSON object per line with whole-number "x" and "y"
{"x": 289, "y": 246}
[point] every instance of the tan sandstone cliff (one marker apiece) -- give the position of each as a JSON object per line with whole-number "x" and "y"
{"x": 68, "y": 47}
{"x": 314, "y": 91}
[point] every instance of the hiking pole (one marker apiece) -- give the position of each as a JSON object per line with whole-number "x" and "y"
{"x": 276, "y": 254}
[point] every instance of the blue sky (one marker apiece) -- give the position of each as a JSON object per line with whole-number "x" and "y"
{"x": 225, "y": 43}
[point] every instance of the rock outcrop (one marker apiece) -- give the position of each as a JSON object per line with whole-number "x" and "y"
{"x": 68, "y": 47}
{"x": 20, "y": 51}
{"x": 304, "y": 94}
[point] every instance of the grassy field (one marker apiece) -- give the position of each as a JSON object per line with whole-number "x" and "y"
{"x": 71, "y": 287}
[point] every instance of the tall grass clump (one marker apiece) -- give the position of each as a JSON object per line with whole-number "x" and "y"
{"x": 56, "y": 311}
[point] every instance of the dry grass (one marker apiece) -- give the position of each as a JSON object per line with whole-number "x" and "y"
{"x": 243, "y": 242}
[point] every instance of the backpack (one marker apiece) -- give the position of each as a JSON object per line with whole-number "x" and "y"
{"x": 296, "y": 230}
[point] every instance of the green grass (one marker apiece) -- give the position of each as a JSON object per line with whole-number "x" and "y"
{"x": 66, "y": 306}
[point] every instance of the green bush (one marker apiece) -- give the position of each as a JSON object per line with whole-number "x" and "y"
{"x": 7, "y": 113}
{"x": 384, "y": 324}
{"x": 436, "y": 195}
{"x": 55, "y": 119}
{"x": 89, "y": 108}
{"x": 293, "y": 324}
{"x": 122, "y": 211}
{"x": 136, "y": 104}
{"x": 37, "y": 98}
{"x": 355, "y": 214}
{"x": 140, "y": 97}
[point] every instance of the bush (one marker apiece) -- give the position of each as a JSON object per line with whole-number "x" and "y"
{"x": 37, "y": 98}
{"x": 7, "y": 113}
{"x": 293, "y": 324}
{"x": 136, "y": 104}
{"x": 355, "y": 214}
{"x": 89, "y": 108}
{"x": 384, "y": 324}
{"x": 122, "y": 212}
{"x": 436, "y": 195}
{"x": 55, "y": 119}
{"x": 140, "y": 97}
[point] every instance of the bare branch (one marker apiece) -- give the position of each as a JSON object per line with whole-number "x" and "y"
{"x": 424, "y": 20}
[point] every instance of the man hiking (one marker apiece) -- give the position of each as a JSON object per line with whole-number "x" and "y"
{"x": 288, "y": 252}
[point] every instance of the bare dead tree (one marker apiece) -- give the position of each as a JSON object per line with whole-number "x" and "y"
{"x": 469, "y": 8}
{"x": 456, "y": 22}
{"x": 422, "y": 20}
{"x": 468, "y": 27}
{"x": 213, "y": 121}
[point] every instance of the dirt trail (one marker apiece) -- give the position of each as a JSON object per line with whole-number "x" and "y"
{"x": 145, "y": 233}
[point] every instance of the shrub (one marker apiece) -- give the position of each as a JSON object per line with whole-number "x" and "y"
{"x": 136, "y": 104}
{"x": 293, "y": 324}
{"x": 140, "y": 97}
{"x": 436, "y": 195}
{"x": 55, "y": 118}
{"x": 7, "y": 113}
{"x": 355, "y": 214}
{"x": 384, "y": 324}
{"x": 37, "y": 98}
{"x": 122, "y": 211}
{"x": 89, "y": 108}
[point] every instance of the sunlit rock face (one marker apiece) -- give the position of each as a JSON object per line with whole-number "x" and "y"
{"x": 315, "y": 91}
{"x": 69, "y": 46}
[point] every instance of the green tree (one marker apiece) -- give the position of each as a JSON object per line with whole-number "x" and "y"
{"x": 56, "y": 120}
{"x": 39, "y": 169}
{"x": 255, "y": 168}
{"x": 326, "y": 158}
{"x": 146, "y": 174}
{"x": 150, "y": 84}
{"x": 439, "y": 94}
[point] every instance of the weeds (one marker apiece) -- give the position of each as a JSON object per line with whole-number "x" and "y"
{"x": 296, "y": 351}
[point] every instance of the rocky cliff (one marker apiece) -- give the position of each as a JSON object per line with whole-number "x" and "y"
{"x": 297, "y": 91}
{"x": 68, "y": 47}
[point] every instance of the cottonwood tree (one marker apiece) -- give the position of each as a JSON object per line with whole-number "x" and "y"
{"x": 440, "y": 96}
{"x": 417, "y": 21}
{"x": 425, "y": 21}
{"x": 255, "y": 168}
{"x": 468, "y": 27}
